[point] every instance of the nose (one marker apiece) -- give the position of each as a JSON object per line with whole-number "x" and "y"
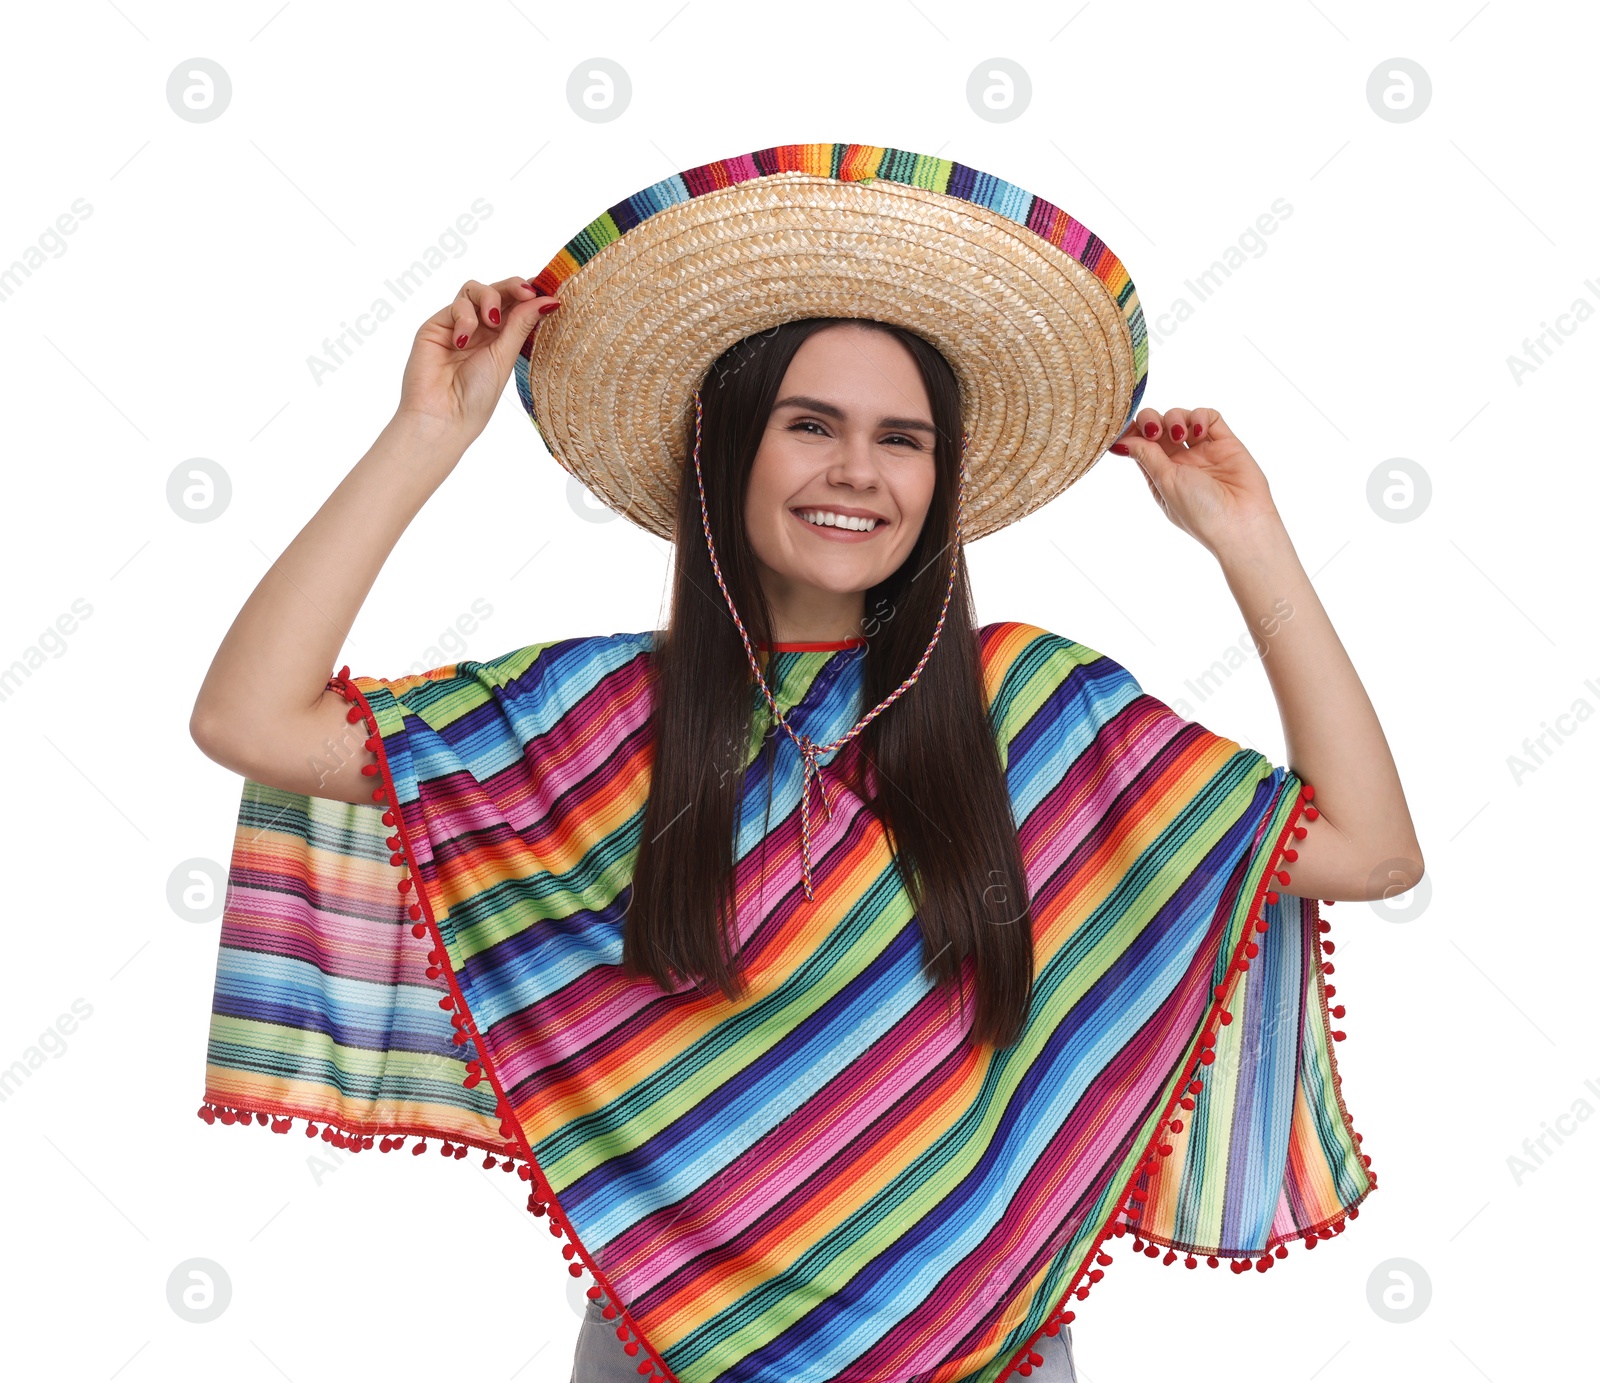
{"x": 854, "y": 463}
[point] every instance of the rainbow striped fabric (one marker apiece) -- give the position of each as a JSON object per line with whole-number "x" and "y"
{"x": 822, "y": 1181}
{"x": 857, "y": 163}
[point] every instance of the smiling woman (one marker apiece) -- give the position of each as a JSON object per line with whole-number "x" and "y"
{"x": 841, "y": 976}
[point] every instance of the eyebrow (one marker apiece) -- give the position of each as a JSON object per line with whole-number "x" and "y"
{"x": 833, "y": 411}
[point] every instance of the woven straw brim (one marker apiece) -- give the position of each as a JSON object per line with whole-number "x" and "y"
{"x": 1042, "y": 350}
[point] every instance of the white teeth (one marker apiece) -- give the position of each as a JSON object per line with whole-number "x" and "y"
{"x": 826, "y": 518}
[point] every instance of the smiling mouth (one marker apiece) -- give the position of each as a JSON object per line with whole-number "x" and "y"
{"x": 838, "y": 524}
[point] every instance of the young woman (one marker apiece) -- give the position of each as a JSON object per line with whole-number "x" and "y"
{"x": 841, "y": 976}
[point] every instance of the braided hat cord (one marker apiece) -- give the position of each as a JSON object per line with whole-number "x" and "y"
{"x": 809, "y": 748}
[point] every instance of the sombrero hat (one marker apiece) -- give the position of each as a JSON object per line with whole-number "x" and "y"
{"x": 1038, "y": 319}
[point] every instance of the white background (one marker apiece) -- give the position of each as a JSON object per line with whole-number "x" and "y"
{"x": 177, "y": 321}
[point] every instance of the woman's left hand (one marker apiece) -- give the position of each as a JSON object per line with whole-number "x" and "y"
{"x": 1199, "y": 473}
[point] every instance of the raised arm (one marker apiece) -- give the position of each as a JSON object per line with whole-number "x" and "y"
{"x": 1212, "y": 488}
{"x": 264, "y": 709}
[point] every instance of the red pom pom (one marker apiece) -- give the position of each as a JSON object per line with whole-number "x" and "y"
{"x": 420, "y": 1148}
{"x": 207, "y": 1113}
{"x": 1307, "y": 791}
{"x": 419, "y": 930}
{"x": 1312, "y": 813}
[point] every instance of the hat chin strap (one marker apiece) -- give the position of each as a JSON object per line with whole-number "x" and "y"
{"x": 809, "y": 748}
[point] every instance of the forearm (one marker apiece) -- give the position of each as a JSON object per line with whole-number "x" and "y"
{"x": 1332, "y": 735}
{"x": 275, "y": 659}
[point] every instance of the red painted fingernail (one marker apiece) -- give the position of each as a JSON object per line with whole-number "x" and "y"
{"x": 1177, "y": 432}
{"x": 461, "y": 341}
{"x": 494, "y": 316}
{"x": 548, "y": 308}
{"x": 1152, "y": 429}
{"x": 1197, "y": 428}
{"x": 1119, "y": 449}
{"x": 528, "y": 286}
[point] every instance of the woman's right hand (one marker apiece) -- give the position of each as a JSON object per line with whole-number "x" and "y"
{"x": 463, "y": 354}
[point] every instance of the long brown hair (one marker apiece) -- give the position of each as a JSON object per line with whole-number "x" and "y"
{"x": 927, "y": 767}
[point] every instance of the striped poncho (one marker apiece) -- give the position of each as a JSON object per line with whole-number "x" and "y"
{"x": 823, "y": 1181}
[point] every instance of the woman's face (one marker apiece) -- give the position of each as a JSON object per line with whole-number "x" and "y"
{"x": 850, "y": 437}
